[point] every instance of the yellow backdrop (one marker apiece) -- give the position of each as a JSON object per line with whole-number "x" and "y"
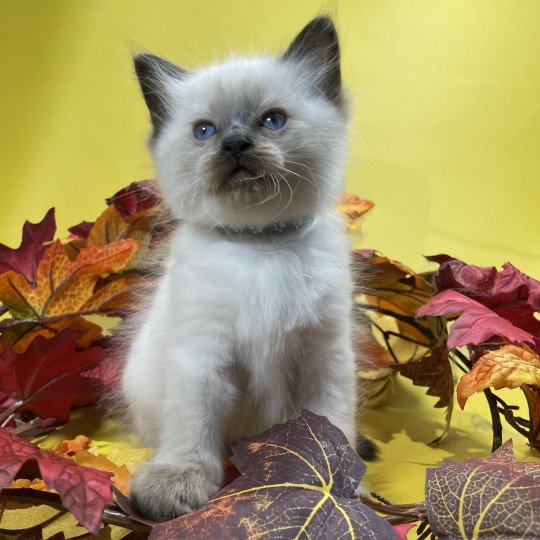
{"x": 445, "y": 132}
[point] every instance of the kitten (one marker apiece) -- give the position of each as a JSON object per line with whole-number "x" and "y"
{"x": 251, "y": 319}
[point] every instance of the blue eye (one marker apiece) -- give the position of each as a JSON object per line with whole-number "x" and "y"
{"x": 273, "y": 120}
{"x": 204, "y": 130}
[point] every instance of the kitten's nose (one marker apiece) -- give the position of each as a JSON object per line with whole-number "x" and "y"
{"x": 236, "y": 146}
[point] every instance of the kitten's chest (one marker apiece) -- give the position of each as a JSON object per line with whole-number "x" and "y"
{"x": 275, "y": 293}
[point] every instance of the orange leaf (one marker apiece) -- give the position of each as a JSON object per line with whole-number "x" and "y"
{"x": 352, "y": 208}
{"x": 21, "y": 335}
{"x": 121, "y": 476}
{"x": 511, "y": 366}
{"x": 63, "y": 286}
{"x": 68, "y": 448}
{"x": 36, "y": 483}
{"x": 109, "y": 227}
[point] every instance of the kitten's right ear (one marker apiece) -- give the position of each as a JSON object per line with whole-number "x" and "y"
{"x": 154, "y": 74}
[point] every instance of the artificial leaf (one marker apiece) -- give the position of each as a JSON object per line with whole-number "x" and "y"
{"x": 391, "y": 294}
{"x": 374, "y": 369}
{"x": 477, "y": 323}
{"x": 19, "y": 334}
{"x": 47, "y": 378}
{"x": 494, "y": 497}
{"x": 68, "y": 447}
{"x": 121, "y": 476}
{"x": 511, "y": 366}
{"x": 63, "y": 286}
{"x": 511, "y": 294}
{"x": 486, "y": 284}
{"x": 136, "y": 198}
{"x": 84, "y": 492}
{"x": 297, "y": 481}
{"x": 82, "y": 230}
{"x": 25, "y": 259}
{"x": 20, "y": 483}
{"x": 353, "y": 208}
{"x": 435, "y": 372}
{"x": 109, "y": 227}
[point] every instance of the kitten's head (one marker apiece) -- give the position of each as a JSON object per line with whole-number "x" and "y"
{"x": 252, "y": 140}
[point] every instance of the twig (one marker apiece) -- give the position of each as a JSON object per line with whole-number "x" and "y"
{"x": 112, "y": 515}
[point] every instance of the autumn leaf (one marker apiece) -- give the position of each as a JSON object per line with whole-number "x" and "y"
{"x": 121, "y": 476}
{"x": 486, "y": 284}
{"x": 477, "y": 323}
{"x": 68, "y": 447}
{"x": 509, "y": 293}
{"x": 297, "y": 481}
{"x": 19, "y": 334}
{"x": 47, "y": 378}
{"x": 64, "y": 287}
{"x": 136, "y": 198}
{"x": 352, "y": 207}
{"x": 24, "y": 260}
{"x": 82, "y": 230}
{"x": 511, "y": 366}
{"x": 435, "y": 372}
{"x": 388, "y": 295}
{"x": 494, "y": 497}
{"x": 85, "y": 492}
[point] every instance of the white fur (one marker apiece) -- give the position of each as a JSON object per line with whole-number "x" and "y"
{"x": 242, "y": 333}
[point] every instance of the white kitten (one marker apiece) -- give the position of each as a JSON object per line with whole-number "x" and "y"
{"x": 250, "y": 322}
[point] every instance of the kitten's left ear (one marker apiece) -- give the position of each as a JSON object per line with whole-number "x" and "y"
{"x": 317, "y": 46}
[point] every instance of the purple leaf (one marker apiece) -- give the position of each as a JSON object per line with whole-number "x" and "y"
{"x": 26, "y": 257}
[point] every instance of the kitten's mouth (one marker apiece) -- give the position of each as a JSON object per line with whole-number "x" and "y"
{"x": 240, "y": 174}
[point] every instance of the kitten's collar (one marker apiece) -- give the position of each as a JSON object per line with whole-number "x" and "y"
{"x": 279, "y": 228}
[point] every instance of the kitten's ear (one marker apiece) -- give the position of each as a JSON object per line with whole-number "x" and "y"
{"x": 154, "y": 76}
{"x": 317, "y": 46}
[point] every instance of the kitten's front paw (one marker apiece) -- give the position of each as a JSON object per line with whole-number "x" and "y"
{"x": 162, "y": 491}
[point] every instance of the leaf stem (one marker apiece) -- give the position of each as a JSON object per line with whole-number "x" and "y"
{"x": 495, "y": 420}
{"x": 9, "y": 411}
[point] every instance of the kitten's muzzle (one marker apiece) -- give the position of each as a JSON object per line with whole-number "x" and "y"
{"x": 236, "y": 146}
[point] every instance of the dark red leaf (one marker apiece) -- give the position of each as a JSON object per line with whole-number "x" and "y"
{"x": 109, "y": 370}
{"x": 84, "y": 491}
{"x": 137, "y": 197}
{"x": 495, "y": 497}
{"x": 297, "y": 481}
{"x": 82, "y": 230}
{"x": 47, "y": 377}
{"x": 26, "y": 257}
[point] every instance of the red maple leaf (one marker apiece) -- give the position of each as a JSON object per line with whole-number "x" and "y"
{"x": 26, "y": 257}
{"x": 47, "y": 378}
{"x": 137, "y": 197}
{"x": 84, "y": 491}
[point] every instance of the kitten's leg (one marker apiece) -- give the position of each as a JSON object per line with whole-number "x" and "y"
{"x": 329, "y": 382}
{"x": 186, "y": 468}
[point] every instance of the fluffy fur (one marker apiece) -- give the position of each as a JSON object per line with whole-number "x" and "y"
{"x": 245, "y": 331}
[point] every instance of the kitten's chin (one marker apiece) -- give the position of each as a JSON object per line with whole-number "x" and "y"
{"x": 241, "y": 177}
{"x": 244, "y": 185}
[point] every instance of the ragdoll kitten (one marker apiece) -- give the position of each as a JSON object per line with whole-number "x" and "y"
{"x": 250, "y": 322}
